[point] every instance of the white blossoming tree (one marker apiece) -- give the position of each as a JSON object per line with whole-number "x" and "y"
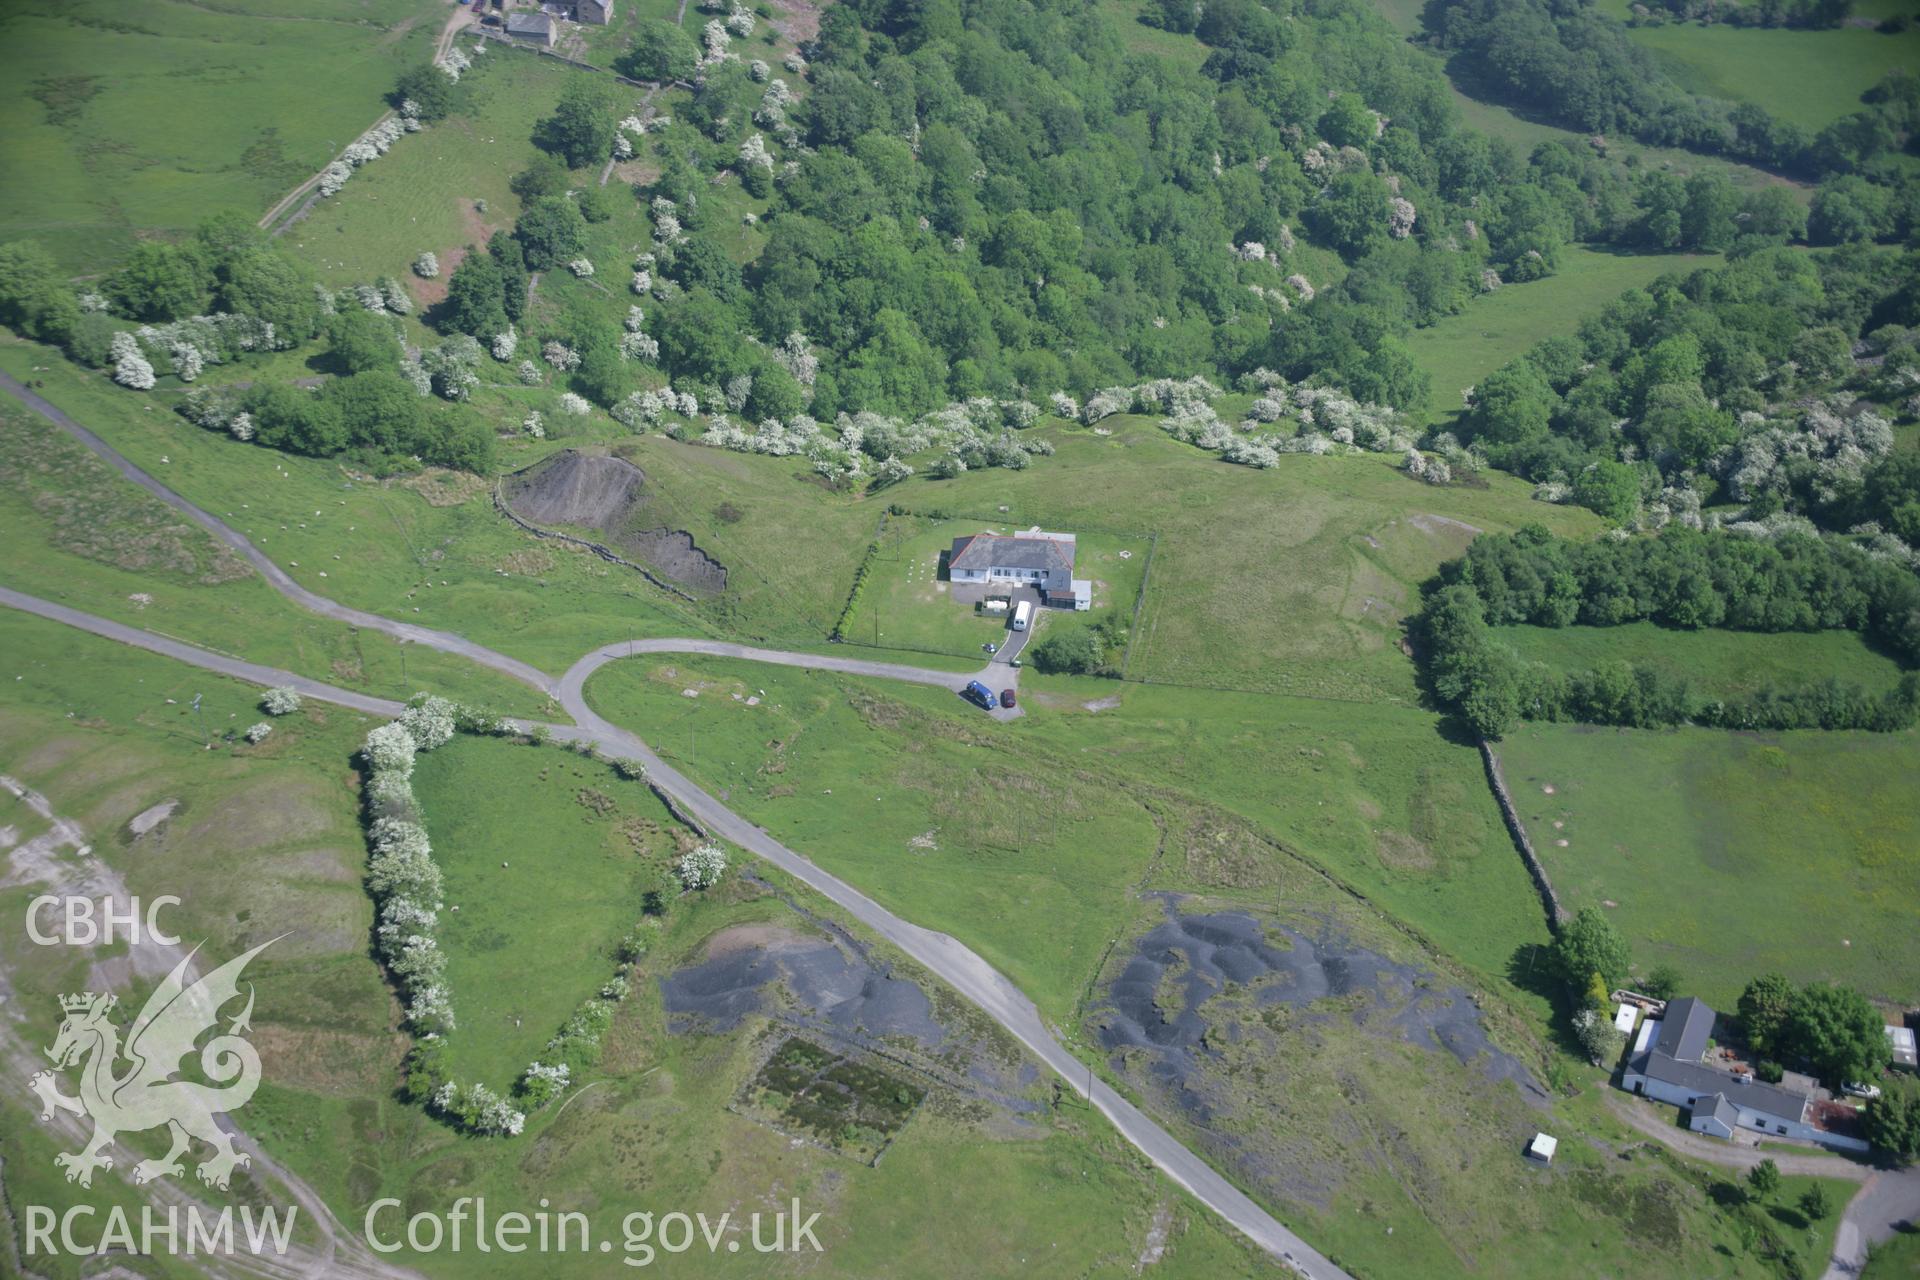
{"x": 541, "y": 1084}
{"x": 1400, "y": 218}
{"x": 430, "y": 720}
{"x": 130, "y": 368}
{"x": 258, "y": 732}
{"x": 702, "y": 868}
{"x": 390, "y": 749}
{"x": 754, "y": 153}
{"x": 573, "y": 404}
{"x": 282, "y": 700}
{"x": 426, "y": 266}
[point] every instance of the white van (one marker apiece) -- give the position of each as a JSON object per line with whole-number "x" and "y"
{"x": 1022, "y": 615}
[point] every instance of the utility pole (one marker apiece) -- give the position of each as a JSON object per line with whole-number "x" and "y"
{"x": 205, "y": 737}
{"x": 406, "y": 681}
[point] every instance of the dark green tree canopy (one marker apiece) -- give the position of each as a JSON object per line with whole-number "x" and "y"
{"x": 1589, "y": 944}
{"x": 580, "y": 130}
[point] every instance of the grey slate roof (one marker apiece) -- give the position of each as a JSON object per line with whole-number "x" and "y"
{"x": 529, "y": 24}
{"x": 984, "y": 551}
{"x": 1767, "y": 1099}
{"x": 1674, "y": 1058}
{"x": 1685, "y": 1030}
{"x": 1720, "y": 1109}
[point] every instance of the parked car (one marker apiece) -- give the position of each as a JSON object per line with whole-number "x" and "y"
{"x": 1859, "y": 1090}
{"x": 1006, "y": 697}
{"x": 978, "y": 694}
{"x": 991, "y": 647}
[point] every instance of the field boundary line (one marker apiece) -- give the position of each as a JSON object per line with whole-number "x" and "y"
{"x": 1139, "y": 603}
{"x": 1557, "y": 915}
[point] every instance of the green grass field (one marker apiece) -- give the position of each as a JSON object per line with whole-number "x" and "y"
{"x": 427, "y": 549}
{"x": 1733, "y": 854}
{"x": 421, "y": 195}
{"x": 1526, "y": 134}
{"x": 1501, "y": 326}
{"x": 1810, "y": 78}
{"x": 546, "y": 884}
{"x": 1291, "y": 580}
{"x": 1897, "y": 1259}
{"x": 84, "y": 537}
{"x": 268, "y": 838}
{"x": 149, "y": 118}
{"x": 1027, "y": 840}
{"x": 1723, "y": 663}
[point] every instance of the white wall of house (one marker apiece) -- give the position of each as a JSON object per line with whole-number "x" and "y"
{"x": 1706, "y": 1123}
{"x": 1773, "y": 1126}
{"x": 998, "y": 573}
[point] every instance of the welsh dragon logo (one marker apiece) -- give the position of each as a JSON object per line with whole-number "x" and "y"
{"x": 145, "y": 1095}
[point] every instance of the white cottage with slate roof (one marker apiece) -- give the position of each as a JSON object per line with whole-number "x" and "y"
{"x": 1669, "y": 1063}
{"x": 1043, "y": 561}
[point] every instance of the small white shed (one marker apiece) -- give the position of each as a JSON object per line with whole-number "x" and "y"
{"x": 1542, "y": 1148}
{"x": 1623, "y": 1019}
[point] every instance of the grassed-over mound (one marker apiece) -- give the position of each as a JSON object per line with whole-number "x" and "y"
{"x": 608, "y": 497}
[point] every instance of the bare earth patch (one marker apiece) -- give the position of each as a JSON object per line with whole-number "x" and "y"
{"x": 1402, "y": 852}
{"x": 148, "y": 819}
{"x": 445, "y": 488}
{"x": 799, "y": 20}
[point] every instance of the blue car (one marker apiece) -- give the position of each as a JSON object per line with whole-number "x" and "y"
{"x": 978, "y": 694}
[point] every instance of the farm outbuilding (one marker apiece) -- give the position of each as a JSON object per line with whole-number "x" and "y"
{"x": 1902, "y": 1041}
{"x": 1542, "y": 1148}
{"x": 535, "y": 28}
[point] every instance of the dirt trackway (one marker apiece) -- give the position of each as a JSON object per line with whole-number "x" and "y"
{"x": 337, "y": 1251}
{"x": 942, "y": 955}
{"x": 1887, "y": 1197}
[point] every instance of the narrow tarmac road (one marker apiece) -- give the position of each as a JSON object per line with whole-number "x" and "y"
{"x": 942, "y": 955}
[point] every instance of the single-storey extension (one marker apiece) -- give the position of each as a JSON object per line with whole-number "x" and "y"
{"x": 1669, "y": 1064}
{"x": 1037, "y": 559}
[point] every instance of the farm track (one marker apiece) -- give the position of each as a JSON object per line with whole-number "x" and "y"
{"x": 276, "y": 219}
{"x": 942, "y": 955}
{"x": 1888, "y": 1199}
